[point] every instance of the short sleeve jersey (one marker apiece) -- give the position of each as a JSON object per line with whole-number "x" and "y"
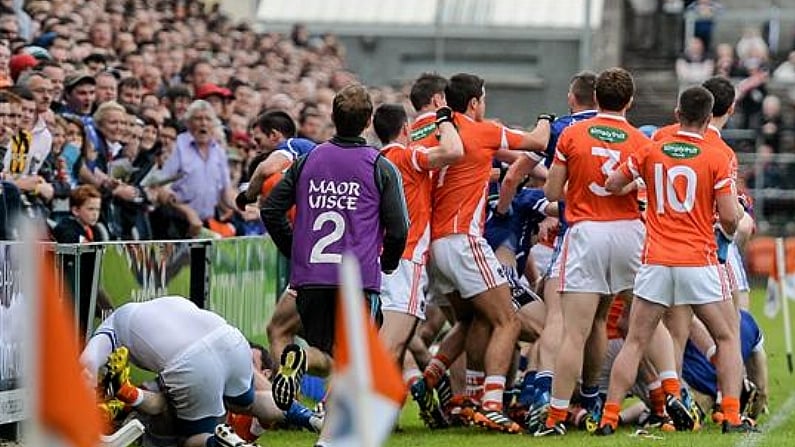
{"x": 414, "y": 167}
{"x": 590, "y": 150}
{"x": 460, "y": 190}
{"x": 711, "y": 136}
{"x": 683, "y": 174}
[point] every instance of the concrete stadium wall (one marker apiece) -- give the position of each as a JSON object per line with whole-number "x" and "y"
{"x": 523, "y": 76}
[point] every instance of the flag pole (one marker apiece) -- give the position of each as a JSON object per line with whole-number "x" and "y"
{"x": 781, "y": 267}
{"x": 358, "y": 344}
{"x": 27, "y": 255}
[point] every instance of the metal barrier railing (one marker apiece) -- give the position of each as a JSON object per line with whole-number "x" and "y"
{"x": 239, "y": 278}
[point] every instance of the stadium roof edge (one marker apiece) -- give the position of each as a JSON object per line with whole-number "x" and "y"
{"x": 391, "y": 30}
{"x": 513, "y": 15}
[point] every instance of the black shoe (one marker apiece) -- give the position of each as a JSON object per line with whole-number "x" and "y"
{"x": 746, "y": 426}
{"x": 559, "y": 429}
{"x": 605, "y": 430}
{"x": 537, "y": 417}
{"x": 287, "y": 380}
{"x": 430, "y": 412}
{"x": 679, "y": 413}
{"x": 444, "y": 390}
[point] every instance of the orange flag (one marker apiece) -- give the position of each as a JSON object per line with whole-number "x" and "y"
{"x": 367, "y": 388}
{"x": 67, "y": 407}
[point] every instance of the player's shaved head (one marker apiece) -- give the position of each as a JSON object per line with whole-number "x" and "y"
{"x": 463, "y": 88}
{"x": 723, "y": 92}
{"x": 582, "y": 88}
{"x": 695, "y": 107}
{"x": 425, "y": 87}
{"x": 614, "y": 89}
{"x": 352, "y": 110}
{"x": 388, "y": 120}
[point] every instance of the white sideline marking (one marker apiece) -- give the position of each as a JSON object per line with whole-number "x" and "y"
{"x": 782, "y": 414}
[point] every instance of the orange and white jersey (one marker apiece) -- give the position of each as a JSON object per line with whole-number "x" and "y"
{"x": 414, "y": 167}
{"x": 683, "y": 174}
{"x": 712, "y": 136}
{"x": 460, "y": 190}
{"x": 424, "y": 131}
{"x": 590, "y": 150}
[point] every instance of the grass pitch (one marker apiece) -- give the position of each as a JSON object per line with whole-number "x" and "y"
{"x": 778, "y": 427}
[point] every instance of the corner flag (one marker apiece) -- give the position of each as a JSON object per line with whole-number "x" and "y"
{"x": 367, "y": 390}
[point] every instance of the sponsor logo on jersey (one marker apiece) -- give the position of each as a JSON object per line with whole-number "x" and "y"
{"x": 681, "y": 150}
{"x": 608, "y": 134}
{"x": 422, "y": 132}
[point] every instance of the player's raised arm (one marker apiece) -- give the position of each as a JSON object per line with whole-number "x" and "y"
{"x": 451, "y": 148}
{"x": 537, "y": 139}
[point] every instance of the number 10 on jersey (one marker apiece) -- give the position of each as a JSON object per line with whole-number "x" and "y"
{"x": 667, "y": 189}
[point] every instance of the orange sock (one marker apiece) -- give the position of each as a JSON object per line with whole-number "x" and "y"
{"x": 130, "y": 395}
{"x": 610, "y": 415}
{"x": 556, "y": 415}
{"x": 672, "y": 387}
{"x": 731, "y": 410}
{"x": 657, "y": 398}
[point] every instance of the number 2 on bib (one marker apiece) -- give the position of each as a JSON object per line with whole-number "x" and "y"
{"x": 318, "y": 255}
{"x": 665, "y": 190}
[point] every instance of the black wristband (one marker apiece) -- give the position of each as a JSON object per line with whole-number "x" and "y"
{"x": 546, "y": 116}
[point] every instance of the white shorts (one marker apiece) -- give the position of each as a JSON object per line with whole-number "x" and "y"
{"x": 213, "y": 367}
{"x": 601, "y": 257}
{"x": 404, "y": 290}
{"x": 677, "y": 286}
{"x": 542, "y": 256}
{"x": 465, "y": 263}
{"x": 735, "y": 267}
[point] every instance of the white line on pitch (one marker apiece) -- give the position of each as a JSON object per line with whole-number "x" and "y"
{"x": 781, "y": 415}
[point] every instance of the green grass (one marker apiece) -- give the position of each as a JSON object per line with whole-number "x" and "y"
{"x": 782, "y": 386}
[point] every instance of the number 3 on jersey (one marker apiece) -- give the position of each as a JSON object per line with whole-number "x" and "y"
{"x": 613, "y": 159}
{"x": 666, "y": 187}
{"x": 318, "y": 255}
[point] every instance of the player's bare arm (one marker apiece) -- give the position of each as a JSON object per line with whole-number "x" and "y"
{"x": 276, "y": 162}
{"x": 556, "y": 182}
{"x": 617, "y": 182}
{"x": 519, "y": 169}
{"x": 450, "y": 149}
{"x": 729, "y": 213}
{"x": 536, "y": 139}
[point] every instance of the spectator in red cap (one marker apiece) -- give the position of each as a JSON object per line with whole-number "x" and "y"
{"x": 19, "y": 63}
{"x": 216, "y": 96}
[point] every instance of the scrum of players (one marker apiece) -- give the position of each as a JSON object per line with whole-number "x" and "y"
{"x": 571, "y": 265}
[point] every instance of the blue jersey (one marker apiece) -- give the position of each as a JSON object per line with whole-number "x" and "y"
{"x": 556, "y": 128}
{"x": 296, "y": 146}
{"x": 515, "y": 232}
{"x": 700, "y": 374}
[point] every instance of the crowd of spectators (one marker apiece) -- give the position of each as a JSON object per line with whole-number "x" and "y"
{"x": 765, "y": 81}
{"x": 154, "y": 103}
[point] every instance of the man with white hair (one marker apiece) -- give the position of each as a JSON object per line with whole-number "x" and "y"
{"x": 200, "y": 159}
